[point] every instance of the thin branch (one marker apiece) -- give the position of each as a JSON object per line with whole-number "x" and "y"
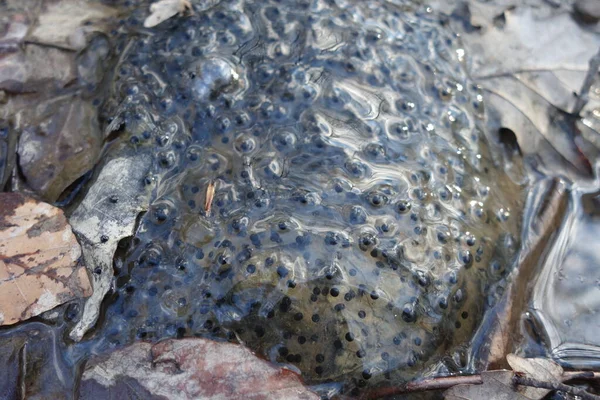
{"x": 583, "y": 96}
{"x": 513, "y": 73}
{"x": 442, "y": 383}
{"x": 584, "y": 395}
{"x": 447, "y": 382}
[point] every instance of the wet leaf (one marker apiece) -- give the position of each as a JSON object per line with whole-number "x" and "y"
{"x": 33, "y": 363}
{"x": 106, "y": 215}
{"x": 516, "y": 64}
{"x": 68, "y": 23}
{"x": 36, "y": 68}
{"x": 547, "y": 205}
{"x": 164, "y": 9}
{"x": 541, "y": 369}
{"x": 60, "y": 141}
{"x": 189, "y": 369}
{"x": 8, "y": 144}
{"x": 530, "y": 87}
{"x": 588, "y": 10}
{"x": 39, "y": 258}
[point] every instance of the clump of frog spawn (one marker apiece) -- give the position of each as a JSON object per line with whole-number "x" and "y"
{"x": 322, "y": 191}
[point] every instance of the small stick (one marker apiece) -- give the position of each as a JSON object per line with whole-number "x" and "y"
{"x": 570, "y": 375}
{"x": 447, "y": 382}
{"x": 524, "y": 381}
{"x": 442, "y": 383}
{"x": 210, "y": 193}
{"x": 583, "y": 96}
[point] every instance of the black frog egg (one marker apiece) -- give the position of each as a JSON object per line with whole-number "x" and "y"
{"x": 151, "y": 256}
{"x": 271, "y": 168}
{"x": 403, "y": 206}
{"x": 166, "y": 159}
{"x": 245, "y": 144}
{"x": 366, "y": 241}
{"x": 357, "y": 169}
{"x": 357, "y": 215}
{"x": 375, "y": 152}
{"x": 194, "y": 153}
{"x": 161, "y": 212}
{"x": 377, "y": 199}
{"x": 284, "y": 141}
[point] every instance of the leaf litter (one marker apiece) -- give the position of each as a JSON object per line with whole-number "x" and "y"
{"x": 529, "y": 89}
{"x": 39, "y": 259}
{"x": 189, "y": 369}
{"x": 108, "y": 214}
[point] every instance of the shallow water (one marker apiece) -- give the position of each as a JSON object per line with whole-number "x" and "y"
{"x": 358, "y": 219}
{"x": 561, "y": 320}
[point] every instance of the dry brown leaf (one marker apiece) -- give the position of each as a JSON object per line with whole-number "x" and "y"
{"x": 39, "y": 258}
{"x": 190, "y": 369}
{"x": 541, "y": 369}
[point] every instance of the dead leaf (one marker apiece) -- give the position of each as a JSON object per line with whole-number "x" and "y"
{"x": 8, "y": 144}
{"x": 588, "y": 10}
{"x": 164, "y": 9}
{"x": 60, "y": 141}
{"x": 14, "y": 29}
{"x": 518, "y": 65}
{"x": 497, "y": 385}
{"x": 547, "y": 205}
{"x": 39, "y": 258}
{"x": 528, "y": 38}
{"x": 67, "y": 24}
{"x": 190, "y": 369}
{"x": 33, "y": 363}
{"x": 106, "y": 215}
{"x": 541, "y": 369}
{"x": 37, "y": 68}
{"x": 530, "y": 86}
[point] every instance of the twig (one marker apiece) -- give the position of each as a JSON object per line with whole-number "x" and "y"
{"x": 447, "y": 382}
{"x": 571, "y": 375}
{"x": 583, "y": 96}
{"x": 423, "y": 385}
{"x": 524, "y": 381}
{"x": 210, "y": 193}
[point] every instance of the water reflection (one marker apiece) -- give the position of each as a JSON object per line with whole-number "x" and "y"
{"x": 566, "y": 294}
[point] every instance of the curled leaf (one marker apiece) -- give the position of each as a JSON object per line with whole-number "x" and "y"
{"x": 164, "y": 9}
{"x": 108, "y": 214}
